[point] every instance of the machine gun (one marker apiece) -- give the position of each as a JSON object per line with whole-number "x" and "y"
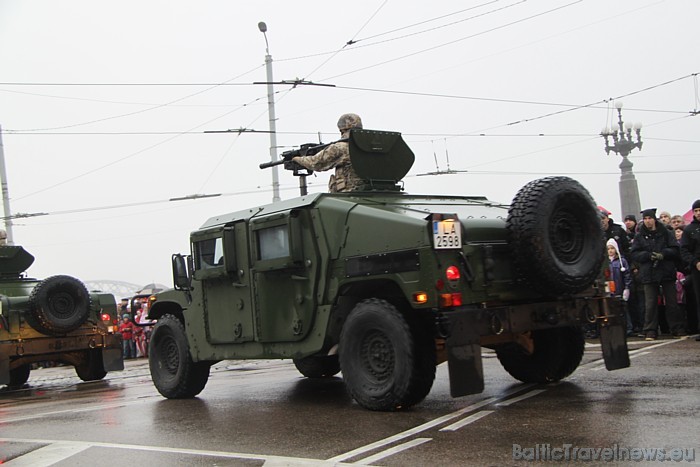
{"x": 307, "y": 149}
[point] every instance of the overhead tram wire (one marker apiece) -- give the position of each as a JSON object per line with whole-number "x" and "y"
{"x": 140, "y": 203}
{"x": 353, "y": 41}
{"x": 454, "y": 41}
{"x": 423, "y": 22}
{"x": 147, "y": 109}
{"x": 334, "y": 54}
{"x": 129, "y": 156}
{"x": 439, "y": 27}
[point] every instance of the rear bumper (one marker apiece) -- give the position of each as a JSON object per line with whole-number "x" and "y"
{"x": 18, "y": 351}
{"x": 467, "y": 329}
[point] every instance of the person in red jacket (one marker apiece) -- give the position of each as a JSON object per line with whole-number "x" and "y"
{"x": 127, "y": 330}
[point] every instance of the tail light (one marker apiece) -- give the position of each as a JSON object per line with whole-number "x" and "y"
{"x": 450, "y": 299}
{"x": 452, "y": 273}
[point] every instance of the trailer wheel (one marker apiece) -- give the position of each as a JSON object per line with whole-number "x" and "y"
{"x": 555, "y": 237}
{"x": 557, "y": 353}
{"x": 378, "y": 358}
{"x": 91, "y": 367}
{"x": 58, "y": 305}
{"x": 318, "y": 366}
{"x": 174, "y": 373}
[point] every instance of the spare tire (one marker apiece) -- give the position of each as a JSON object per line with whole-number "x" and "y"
{"x": 555, "y": 236}
{"x": 58, "y": 305}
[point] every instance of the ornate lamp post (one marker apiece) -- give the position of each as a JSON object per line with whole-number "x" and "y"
{"x": 623, "y": 145}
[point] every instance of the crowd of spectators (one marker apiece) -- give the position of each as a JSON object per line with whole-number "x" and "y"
{"x": 136, "y": 332}
{"x": 655, "y": 268}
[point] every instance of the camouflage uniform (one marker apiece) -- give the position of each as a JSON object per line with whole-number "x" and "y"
{"x": 337, "y": 155}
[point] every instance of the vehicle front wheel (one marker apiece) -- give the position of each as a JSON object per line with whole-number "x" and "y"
{"x": 379, "y": 361}
{"x": 174, "y": 373}
{"x": 556, "y": 354}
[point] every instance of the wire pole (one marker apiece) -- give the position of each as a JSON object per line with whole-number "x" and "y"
{"x": 5, "y": 194}
{"x": 271, "y": 113}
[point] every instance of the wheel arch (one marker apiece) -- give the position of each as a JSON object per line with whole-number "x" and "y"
{"x": 166, "y": 307}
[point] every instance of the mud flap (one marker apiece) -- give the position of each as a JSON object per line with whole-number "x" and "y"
{"x": 4, "y": 370}
{"x": 613, "y": 342}
{"x": 112, "y": 359}
{"x": 465, "y": 369}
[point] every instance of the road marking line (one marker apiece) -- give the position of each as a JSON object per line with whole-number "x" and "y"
{"x": 49, "y": 455}
{"x": 466, "y": 421}
{"x": 60, "y": 412}
{"x": 274, "y": 460}
{"x": 595, "y": 365}
{"x": 520, "y": 398}
{"x": 426, "y": 426}
{"x": 394, "y": 450}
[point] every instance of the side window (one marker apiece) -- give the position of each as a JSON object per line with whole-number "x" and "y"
{"x": 273, "y": 242}
{"x": 209, "y": 253}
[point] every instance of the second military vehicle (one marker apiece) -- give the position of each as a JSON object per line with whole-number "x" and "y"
{"x": 53, "y": 320}
{"x": 384, "y": 285}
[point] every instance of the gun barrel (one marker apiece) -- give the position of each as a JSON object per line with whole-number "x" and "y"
{"x": 266, "y": 165}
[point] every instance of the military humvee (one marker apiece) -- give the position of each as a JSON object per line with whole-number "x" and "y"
{"x": 55, "y": 320}
{"x": 383, "y": 286}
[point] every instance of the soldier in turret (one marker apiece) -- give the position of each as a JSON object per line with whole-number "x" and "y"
{"x": 337, "y": 156}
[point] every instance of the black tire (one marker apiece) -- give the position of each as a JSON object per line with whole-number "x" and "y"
{"x": 324, "y": 366}
{"x": 58, "y": 305}
{"x": 555, "y": 237}
{"x": 92, "y": 367}
{"x": 19, "y": 375}
{"x": 424, "y": 364}
{"x": 378, "y": 358}
{"x": 174, "y": 373}
{"x": 557, "y": 353}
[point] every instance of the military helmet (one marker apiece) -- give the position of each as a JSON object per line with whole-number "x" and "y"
{"x": 348, "y": 121}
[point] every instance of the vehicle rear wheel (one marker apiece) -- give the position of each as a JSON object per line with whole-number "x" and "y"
{"x": 323, "y": 366}
{"x": 91, "y": 367}
{"x": 554, "y": 235}
{"x": 378, "y": 358}
{"x": 19, "y": 375}
{"x": 557, "y": 353}
{"x": 58, "y": 305}
{"x": 174, "y": 373}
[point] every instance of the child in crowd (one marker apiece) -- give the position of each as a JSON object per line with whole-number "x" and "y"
{"x": 620, "y": 275}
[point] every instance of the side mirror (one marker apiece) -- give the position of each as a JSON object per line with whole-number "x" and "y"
{"x": 182, "y": 278}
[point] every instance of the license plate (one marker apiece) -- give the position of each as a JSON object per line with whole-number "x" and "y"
{"x": 447, "y": 234}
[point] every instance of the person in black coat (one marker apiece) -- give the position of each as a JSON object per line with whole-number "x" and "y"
{"x": 656, "y": 251}
{"x": 690, "y": 251}
{"x": 614, "y": 231}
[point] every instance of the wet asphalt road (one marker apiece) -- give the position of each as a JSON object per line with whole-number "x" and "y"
{"x": 264, "y": 413}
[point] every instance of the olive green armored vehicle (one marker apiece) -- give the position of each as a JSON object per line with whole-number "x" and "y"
{"x": 383, "y": 286}
{"x": 53, "y": 320}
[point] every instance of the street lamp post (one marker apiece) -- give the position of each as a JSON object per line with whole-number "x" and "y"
{"x": 271, "y": 114}
{"x": 623, "y": 145}
{"x": 5, "y": 195}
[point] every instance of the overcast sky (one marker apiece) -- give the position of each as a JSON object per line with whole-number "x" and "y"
{"x": 105, "y": 104}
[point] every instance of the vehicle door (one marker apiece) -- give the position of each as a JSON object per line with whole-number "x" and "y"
{"x": 285, "y": 275}
{"x": 222, "y": 264}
